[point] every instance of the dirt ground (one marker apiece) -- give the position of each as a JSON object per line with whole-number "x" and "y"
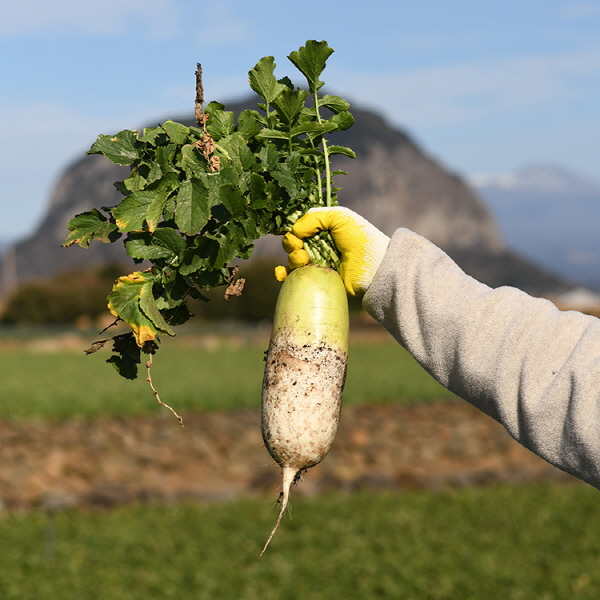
{"x": 112, "y": 461}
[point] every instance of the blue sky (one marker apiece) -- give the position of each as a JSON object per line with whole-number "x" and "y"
{"x": 484, "y": 87}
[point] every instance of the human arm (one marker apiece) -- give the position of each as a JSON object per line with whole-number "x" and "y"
{"x": 519, "y": 359}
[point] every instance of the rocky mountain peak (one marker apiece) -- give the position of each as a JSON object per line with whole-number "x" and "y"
{"x": 392, "y": 182}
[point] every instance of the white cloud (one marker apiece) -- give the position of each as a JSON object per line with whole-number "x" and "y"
{"x": 226, "y": 88}
{"x": 581, "y": 10}
{"x": 77, "y": 17}
{"x": 461, "y": 92}
{"x": 221, "y": 25}
{"x": 44, "y": 139}
{"x": 217, "y": 23}
{"x": 432, "y": 41}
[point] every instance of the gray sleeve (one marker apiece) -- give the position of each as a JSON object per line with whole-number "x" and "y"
{"x": 519, "y": 359}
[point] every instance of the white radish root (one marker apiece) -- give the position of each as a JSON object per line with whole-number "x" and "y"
{"x": 305, "y": 374}
{"x": 288, "y": 475}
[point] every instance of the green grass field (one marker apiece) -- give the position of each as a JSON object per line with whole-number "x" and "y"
{"x": 535, "y": 542}
{"x": 226, "y": 376}
{"x": 529, "y": 542}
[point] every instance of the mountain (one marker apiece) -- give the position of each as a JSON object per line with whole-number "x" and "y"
{"x": 552, "y": 216}
{"x": 392, "y": 182}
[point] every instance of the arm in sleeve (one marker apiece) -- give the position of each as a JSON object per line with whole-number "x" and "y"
{"x": 519, "y": 359}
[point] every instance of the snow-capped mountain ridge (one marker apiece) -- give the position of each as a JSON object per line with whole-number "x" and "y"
{"x": 550, "y": 214}
{"x": 539, "y": 178}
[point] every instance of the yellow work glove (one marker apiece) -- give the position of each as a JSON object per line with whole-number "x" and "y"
{"x": 361, "y": 245}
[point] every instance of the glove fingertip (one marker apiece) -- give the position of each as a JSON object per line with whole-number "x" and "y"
{"x": 291, "y": 242}
{"x": 309, "y": 224}
{"x": 298, "y": 258}
{"x": 281, "y": 273}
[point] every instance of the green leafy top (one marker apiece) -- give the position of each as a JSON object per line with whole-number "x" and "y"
{"x": 198, "y": 197}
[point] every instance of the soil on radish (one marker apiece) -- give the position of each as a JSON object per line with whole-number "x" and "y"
{"x": 300, "y": 427}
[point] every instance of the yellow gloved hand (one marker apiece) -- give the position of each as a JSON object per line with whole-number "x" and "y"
{"x": 361, "y": 244}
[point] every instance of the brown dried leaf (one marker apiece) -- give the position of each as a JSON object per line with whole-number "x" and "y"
{"x": 97, "y": 345}
{"x": 206, "y": 145}
{"x": 235, "y": 288}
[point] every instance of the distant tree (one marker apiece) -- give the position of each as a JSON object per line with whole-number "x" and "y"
{"x": 81, "y": 294}
{"x": 257, "y": 302}
{"x": 65, "y": 298}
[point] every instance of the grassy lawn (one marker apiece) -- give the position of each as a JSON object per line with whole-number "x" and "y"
{"x": 225, "y": 375}
{"x": 535, "y": 542}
